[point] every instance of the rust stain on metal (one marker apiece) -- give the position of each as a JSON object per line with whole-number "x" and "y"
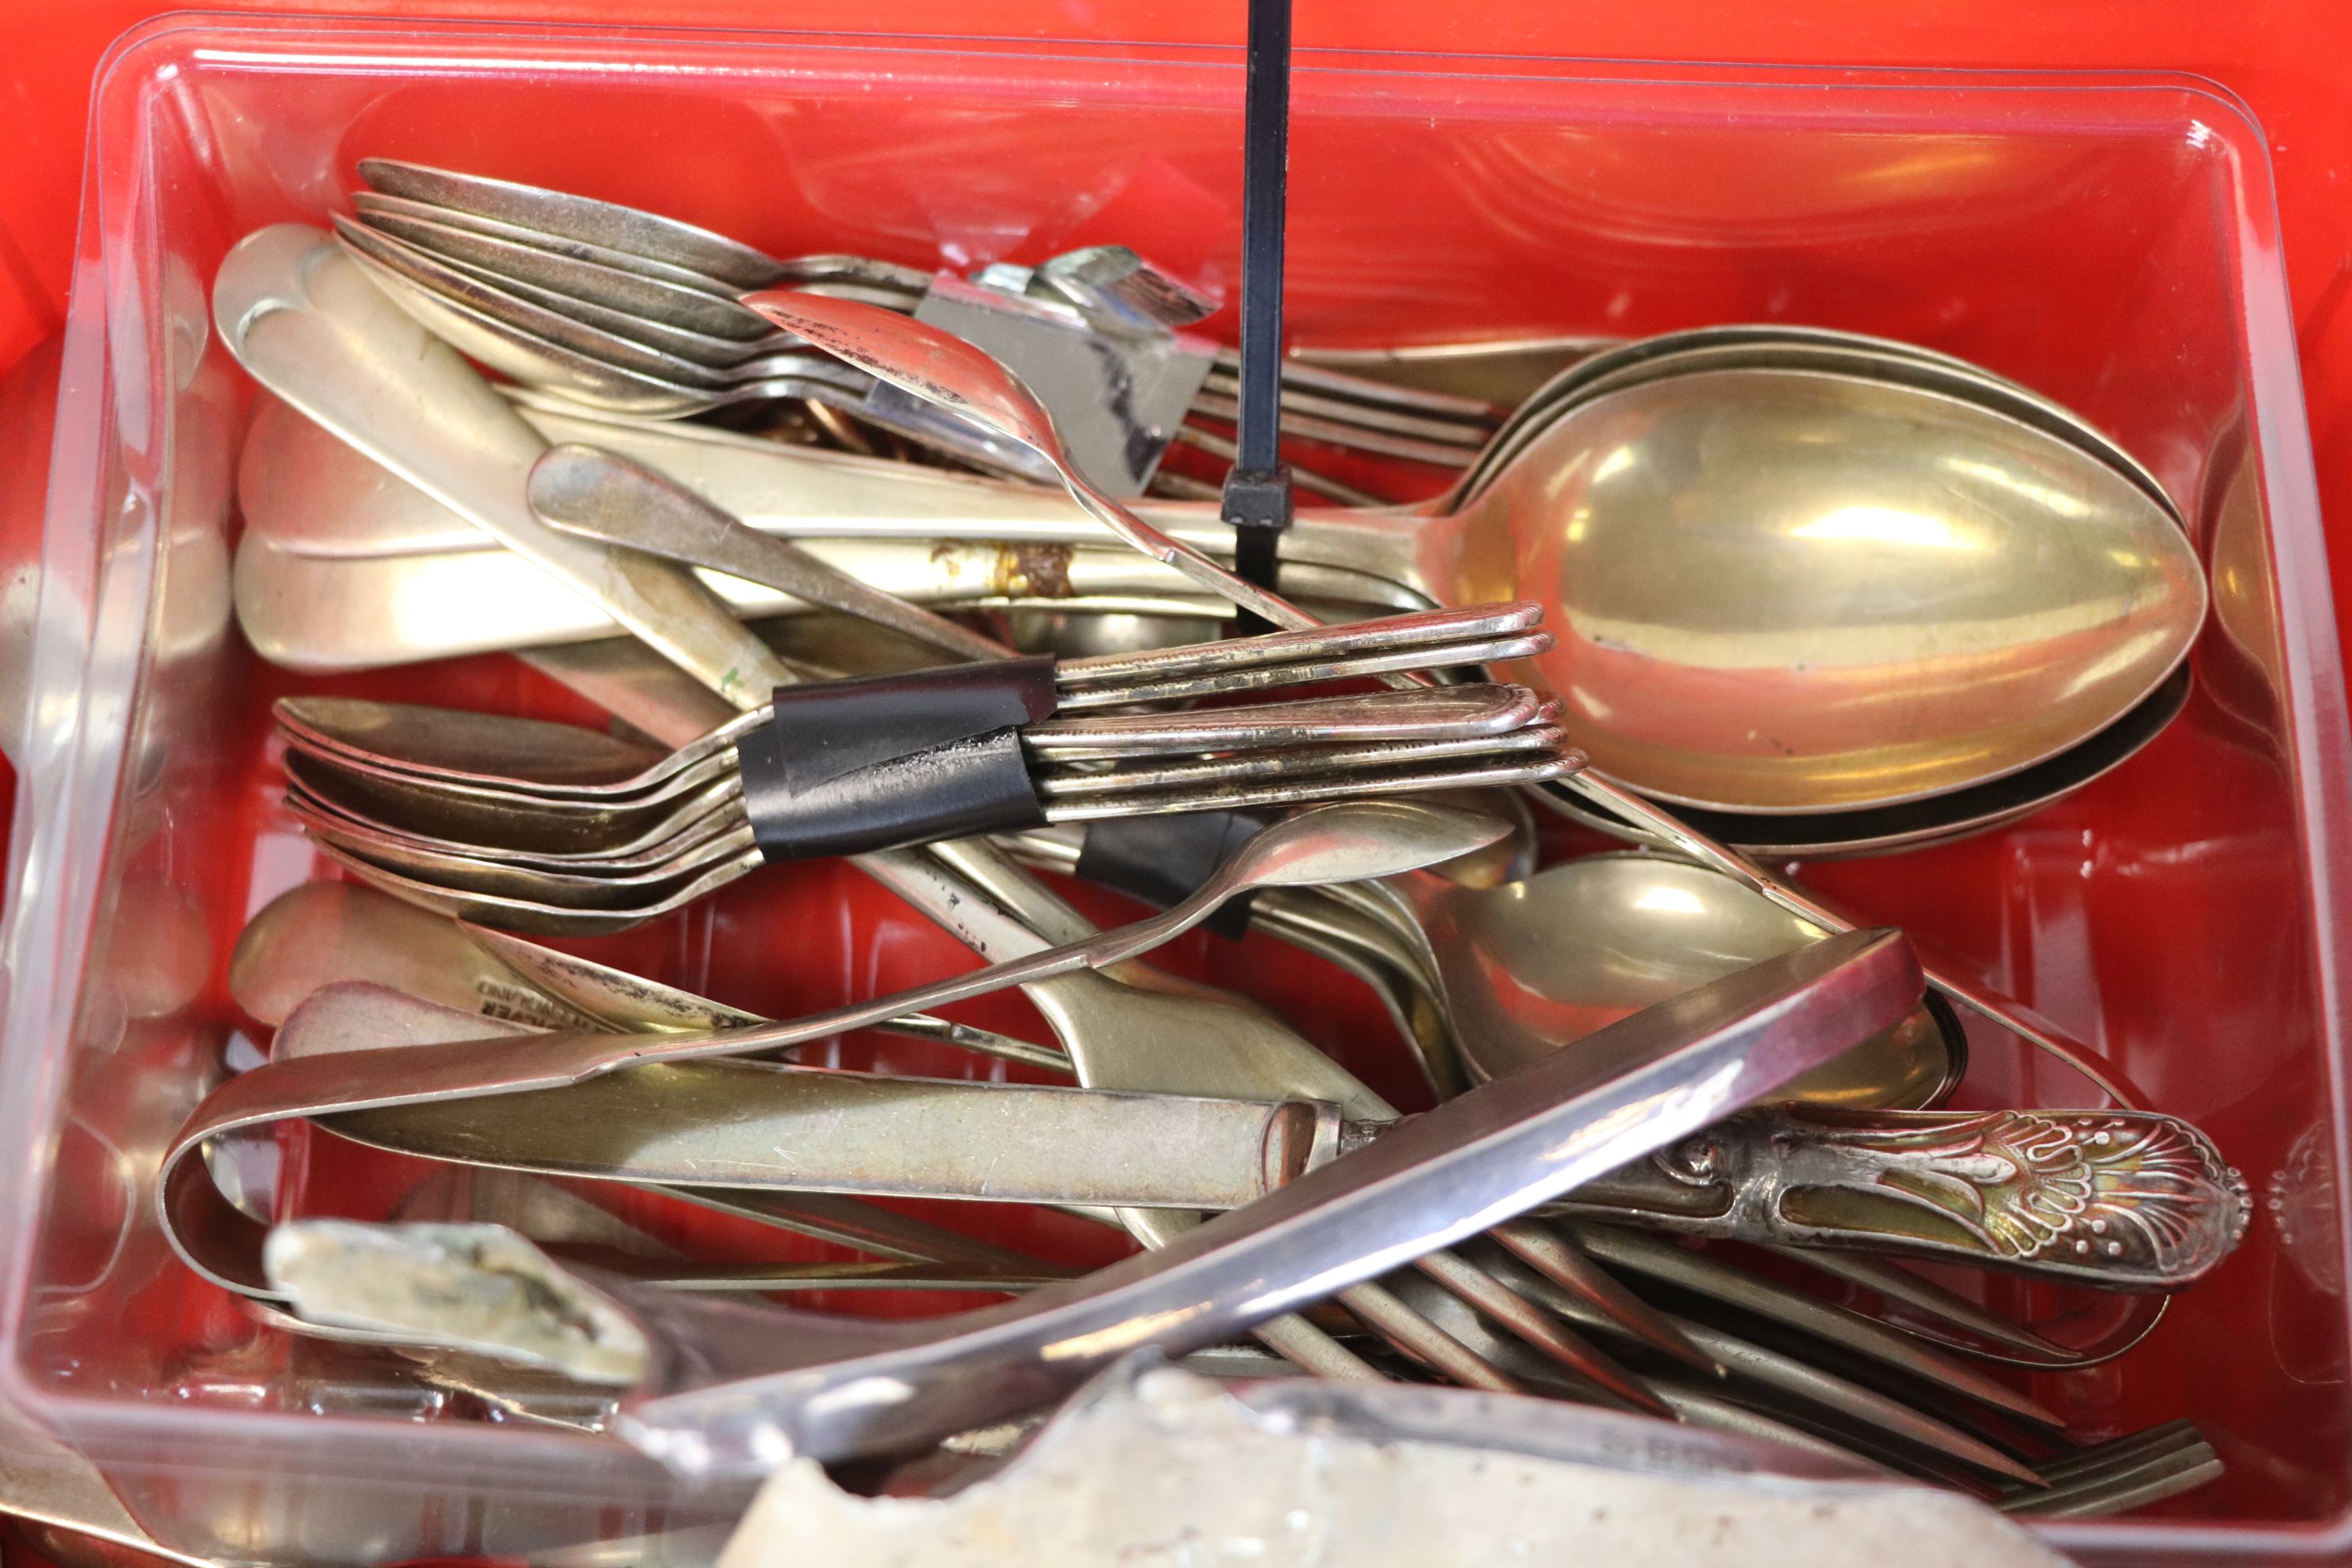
{"x": 1046, "y": 568}
{"x": 1011, "y": 569}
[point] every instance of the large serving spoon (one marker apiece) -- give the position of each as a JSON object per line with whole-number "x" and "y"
{"x": 1782, "y": 347}
{"x": 1848, "y": 548}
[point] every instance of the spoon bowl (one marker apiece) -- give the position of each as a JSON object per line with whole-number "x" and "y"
{"x": 1532, "y": 967}
{"x": 1778, "y": 591}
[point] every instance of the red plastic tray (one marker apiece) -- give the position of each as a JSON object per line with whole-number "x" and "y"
{"x": 2179, "y": 915}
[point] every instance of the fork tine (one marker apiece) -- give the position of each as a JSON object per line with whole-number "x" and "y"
{"x": 2098, "y": 1460}
{"x": 1544, "y": 1251}
{"x": 1797, "y": 1379}
{"x": 1824, "y": 1427}
{"x": 1302, "y": 1344}
{"x": 1539, "y": 1328}
{"x": 1800, "y": 1394}
{"x": 1897, "y": 1283}
{"x": 1711, "y": 1277}
{"x": 1425, "y": 1341}
{"x": 2125, "y": 1493}
{"x": 1701, "y": 1407}
{"x": 2113, "y": 1483}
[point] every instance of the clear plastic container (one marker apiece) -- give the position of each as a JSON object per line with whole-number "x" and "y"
{"x": 2109, "y": 241}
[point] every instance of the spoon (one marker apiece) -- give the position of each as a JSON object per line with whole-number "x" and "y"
{"x": 648, "y": 291}
{"x": 744, "y": 470}
{"x": 482, "y": 228}
{"x": 620, "y": 232}
{"x": 601, "y": 369}
{"x": 492, "y": 322}
{"x": 1851, "y": 544}
{"x": 1532, "y": 966}
{"x": 1781, "y": 347}
{"x": 742, "y": 477}
{"x": 322, "y": 934}
{"x": 2158, "y": 592}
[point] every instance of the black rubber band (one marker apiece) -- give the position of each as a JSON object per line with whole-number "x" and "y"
{"x": 845, "y": 766}
{"x": 1162, "y": 859}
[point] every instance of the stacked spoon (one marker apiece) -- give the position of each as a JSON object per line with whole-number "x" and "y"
{"x": 627, "y": 311}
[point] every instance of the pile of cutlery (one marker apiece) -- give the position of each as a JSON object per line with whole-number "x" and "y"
{"x": 1681, "y": 1127}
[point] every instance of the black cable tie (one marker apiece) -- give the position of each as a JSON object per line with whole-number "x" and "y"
{"x": 1162, "y": 859}
{"x": 845, "y": 766}
{"x": 1259, "y": 506}
{"x": 1258, "y": 490}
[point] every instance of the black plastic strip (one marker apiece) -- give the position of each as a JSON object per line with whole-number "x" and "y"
{"x": 1257, "y": 494}
{"x": 845, "y": 766}
{"x": 1162, "y": 859}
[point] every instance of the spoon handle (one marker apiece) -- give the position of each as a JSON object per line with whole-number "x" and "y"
{"x": 306, "y": 323}
{"x": 594, "y": 494}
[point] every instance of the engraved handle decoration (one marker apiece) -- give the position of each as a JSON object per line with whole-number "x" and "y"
{"x": 2118, "y": 1199}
